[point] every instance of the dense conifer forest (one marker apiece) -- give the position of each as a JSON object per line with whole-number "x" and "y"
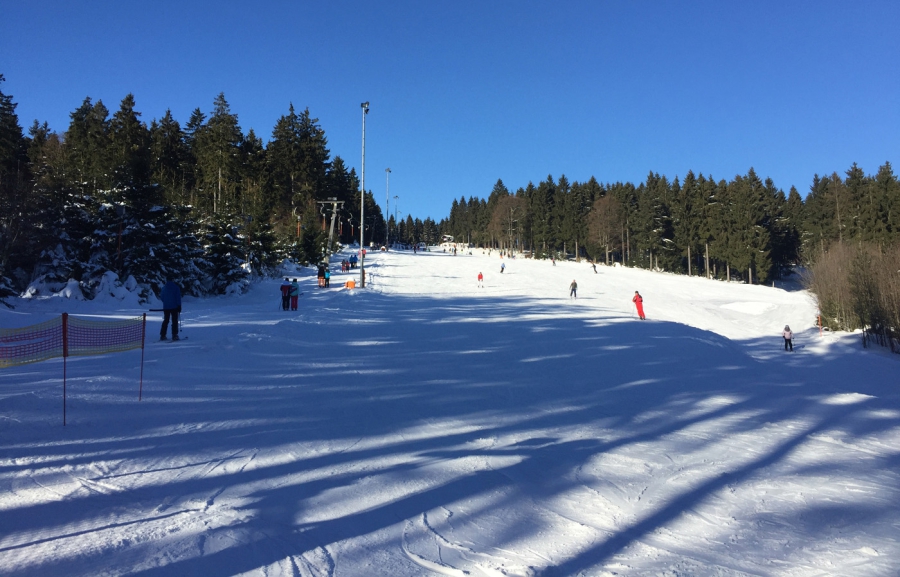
{"x": 211, "y": 207}
{"x": 843, "y": 238}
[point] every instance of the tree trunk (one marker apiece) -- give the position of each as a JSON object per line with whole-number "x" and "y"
{"x": 707, "y": 260}
{"x": 689, "y": 260}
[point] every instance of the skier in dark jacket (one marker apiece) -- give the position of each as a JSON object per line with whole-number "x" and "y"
{"x": 171, "y": 300}
{"x": 285, "y": 294}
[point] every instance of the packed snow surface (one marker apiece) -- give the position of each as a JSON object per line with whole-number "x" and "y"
{"x": 426, "y": 426}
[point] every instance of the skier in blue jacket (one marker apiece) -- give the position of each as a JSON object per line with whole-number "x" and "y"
{"x": 171, "y": 299}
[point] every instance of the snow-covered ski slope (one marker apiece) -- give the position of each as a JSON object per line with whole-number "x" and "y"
{"x": 425, "y": 426}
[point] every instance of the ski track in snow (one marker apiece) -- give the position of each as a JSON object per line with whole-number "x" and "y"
{"x": 426, "y": 426}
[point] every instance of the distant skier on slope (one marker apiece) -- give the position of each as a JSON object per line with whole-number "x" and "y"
{"x": 480, "y": 280}
{"x": 573, "y": 288}
{"x": 171, "y": 300}
{"x": 788, "y": 338}
{"x": 295, "y": 294}
{"x": 502, "y": 267}
{"x": 285, "y": 294}
{"x": 638, "y": 301}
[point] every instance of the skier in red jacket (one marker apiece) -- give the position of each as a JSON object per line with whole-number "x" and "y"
{"x": 638, "y": 301}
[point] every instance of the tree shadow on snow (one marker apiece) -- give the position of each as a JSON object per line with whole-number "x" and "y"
{"x": 414, "y": 382}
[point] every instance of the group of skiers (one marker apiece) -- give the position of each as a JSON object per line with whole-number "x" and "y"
{"x": 349, "y": 263}
{"x": 290, "y": 294}
{"x": 323, "y": 275}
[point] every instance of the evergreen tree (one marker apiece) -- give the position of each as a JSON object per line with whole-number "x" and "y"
{"x": 887, "y": 193}
{"x": 606, "y": 225}
{"x": 216, "y": 146}
{"x": 59, "y": 240}
{"x": 224, "y": 271}
{"x": 170, "y": 159}
{"x": 284, "y": 157}
{"x": 652, "y": 223}
{"x": 13, "y": 176}
{"x": 751, "y": 236}
{"x": 129, "y": 142}
{"x": 793, "y": 225}
{"x": 687, "y": 215}
{"x": 87, "y": 145}
{"x": 541, "y": 209}
{"x": 311, "y": 247}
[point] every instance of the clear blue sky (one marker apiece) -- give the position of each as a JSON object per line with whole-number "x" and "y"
{"x": 464, "y": 93}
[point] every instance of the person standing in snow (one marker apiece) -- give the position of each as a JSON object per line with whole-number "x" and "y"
{"x": 171, "y": 300}
{"x": 788, "y": 338}
{"x": 502, "y": 267}
{"x": 295, "y": 294}
{"x": 573, "y": 288}
{"x": 480, "y": 280}
{"x": 638, "y": 301}
{"x": 285, "y": 294}
{"x": 327, "y": 277}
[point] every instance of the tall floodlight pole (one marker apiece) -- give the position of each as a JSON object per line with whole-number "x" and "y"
{"x": 362, "y": 203}
{"x": 387, "y": 206}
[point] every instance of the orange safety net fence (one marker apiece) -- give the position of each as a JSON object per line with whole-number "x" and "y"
{"x": 69, "y": 336}
{"x": 91, "y": 337}
{"x": 65, "y": 336}
{"x": 31, "y": 344}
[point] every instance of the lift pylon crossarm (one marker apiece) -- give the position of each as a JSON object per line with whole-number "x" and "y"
{"x": 336, "y": 204}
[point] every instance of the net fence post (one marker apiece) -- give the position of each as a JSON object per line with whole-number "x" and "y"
{"x": 143, "y": 338}
{"x": 65, "y": 347}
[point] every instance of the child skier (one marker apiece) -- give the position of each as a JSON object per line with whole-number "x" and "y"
{"x": 788, "y": 338}
{"x": 572, "y": 289}
{"x": 480, "y": 280}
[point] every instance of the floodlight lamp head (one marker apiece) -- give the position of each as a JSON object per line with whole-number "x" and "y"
{"x": 365, "y": 107}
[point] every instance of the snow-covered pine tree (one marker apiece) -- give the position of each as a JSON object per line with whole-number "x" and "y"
{"x": 311, "y": 248}
{"x": 13, "y": 179}
{"x": 61, "y": 216}
{"x": 224, "y": 267}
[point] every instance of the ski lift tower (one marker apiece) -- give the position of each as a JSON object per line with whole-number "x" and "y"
{"x": 335, "y": 205}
